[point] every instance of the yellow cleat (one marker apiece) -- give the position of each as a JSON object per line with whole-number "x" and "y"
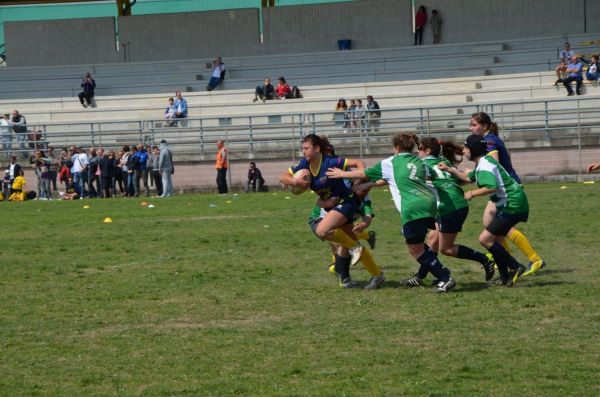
{"x": 534, "y": 267}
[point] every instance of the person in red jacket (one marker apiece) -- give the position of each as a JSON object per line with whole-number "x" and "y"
{"x": 420, "y": 22}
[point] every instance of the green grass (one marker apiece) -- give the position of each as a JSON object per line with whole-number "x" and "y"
{"x": 188, "y": 299}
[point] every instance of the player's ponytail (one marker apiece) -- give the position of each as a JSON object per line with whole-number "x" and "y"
{"x": 452, "y": 152}
{"x": 494, "y": 129}
{"x": 404, "y": 142}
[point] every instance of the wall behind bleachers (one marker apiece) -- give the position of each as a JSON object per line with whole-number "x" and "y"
{"x": 290, "y": 29}
{"x": 61, "y": 41}
{"x": 369, "y": 24}
{"x": 190, "y": 35}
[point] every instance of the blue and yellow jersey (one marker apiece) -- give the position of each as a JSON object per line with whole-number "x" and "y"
{"x": 323, "y": 186}
{"x": 496, "y": 144}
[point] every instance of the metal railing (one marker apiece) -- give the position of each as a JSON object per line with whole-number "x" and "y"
{"x": 267, "y": 135}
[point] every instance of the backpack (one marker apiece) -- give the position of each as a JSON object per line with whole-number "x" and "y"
{"x": 296, "y": 92}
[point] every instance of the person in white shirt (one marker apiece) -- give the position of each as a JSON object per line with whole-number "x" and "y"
{"x": 79, "y": 170}
{"x": 564, "y": 58}
{"x": 217, "y": 75}
{"x": 6, "y": 133}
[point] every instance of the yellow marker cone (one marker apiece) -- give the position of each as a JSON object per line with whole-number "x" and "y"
{"x": 108, "y": 220}
{"x": 588, "y": 182}
{"x": 228, "y": 201}
{"x": 144, "y": 204}
{"x": 85, "y": 207}
{"x": 563, "y": 187}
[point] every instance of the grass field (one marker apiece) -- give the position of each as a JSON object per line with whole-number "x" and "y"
{"x": 233, "y": 299}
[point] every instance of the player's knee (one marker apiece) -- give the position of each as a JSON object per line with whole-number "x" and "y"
{"x": 448, "y": 251}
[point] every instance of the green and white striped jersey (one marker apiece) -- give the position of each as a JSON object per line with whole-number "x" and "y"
{"x": 450, "y": 195}
{"x": 405, "y": 175}
{"x": 510, "y": 198}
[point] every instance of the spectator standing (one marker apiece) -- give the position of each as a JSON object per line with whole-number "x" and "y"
{"x": 574, "y": 74}
{"x": 89, "y": 85}
{"x": 154, "y": 160}
{"x": 217, "y": 75}
{"x": 13, "y": 169}
{"x": 339, "y": 117}
{"x": 106, "y": 166}
{"x": 147, "y": 174}
{"x": 564, "y": 59}
{"x": 181, "y": 107}
{"x": 592, "y": 72}
{"x": 420, "y": 22}
{"x": 79, "y": 170}
{"x": 54, "y": 165}
{"x": 436, "y": 26}
{"x": 117, "y": 172}
{"x": 123, "y": 161}
{"x": 374, "y": 113}
{"x": 65, "y": 167}
{"x": 256, "y": 181}
{"x": 264, "y": 92}
{"x": 19, "y": 125}
{"x": 221, "y": 165}
{"x": 93, "y": 174}
{"x": 41, "y": 167}
{"x": 166, "y": 168}
{"x": 6, "y": 133}
{"x": 169, "y": 114}
{"x": 132, "y": 163}
{"x": 140, "y": 170}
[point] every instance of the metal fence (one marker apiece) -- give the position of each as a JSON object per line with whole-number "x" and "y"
{"x": 279, "y": 135}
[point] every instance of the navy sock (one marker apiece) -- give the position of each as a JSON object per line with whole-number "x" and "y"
{"x": 428, "y": 260}
{"x": 342, "y": 266}
{"x": 470, "y": 254}
{"x": 503, "y": 259}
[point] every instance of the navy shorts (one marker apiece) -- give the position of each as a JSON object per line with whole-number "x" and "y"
{"x": 348, "y": 207}
{"x": 452, "y": 222}
{"x": 502, "y": 223}
{"x": 415, "y": 231}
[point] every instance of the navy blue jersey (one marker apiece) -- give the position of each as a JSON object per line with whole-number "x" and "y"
{"x": 323, "y": 186}
{"x": 495, "y": 144}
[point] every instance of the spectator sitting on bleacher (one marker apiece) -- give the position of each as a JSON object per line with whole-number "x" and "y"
{"x": 564, "y": 58}
{"x": 181, "y": 108}
{"x": 284, "y": 91}
{"x": 360, "y": 114}
{"x": 217, "y": 75}
{"x": 88, "y": 84}
{"x": 592, "y": 72}
{"x": 169, "y": 113}
{"x": 575, "y": 73}
{"x": 339, "y": 117}
{"x": 350, "y": 114}
{"x": 264, "y": 92}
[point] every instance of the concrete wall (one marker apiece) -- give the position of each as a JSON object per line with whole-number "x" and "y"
{"x": 61, "y": 42}
{"x": 291, "y": 29}
{"x": 190, "y": 35}
{"x": 369, "y": 24}
{"x": 479, "y": 20}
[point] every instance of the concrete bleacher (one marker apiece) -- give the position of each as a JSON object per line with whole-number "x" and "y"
{"x": 235, "y": 103}
{"x": 340, "y": 67}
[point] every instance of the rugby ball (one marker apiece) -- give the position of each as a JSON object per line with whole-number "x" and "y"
{"x": 300, "y": 175}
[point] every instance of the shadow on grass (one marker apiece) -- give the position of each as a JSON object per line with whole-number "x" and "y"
{"x": 554, "y": 271}
{"x": 541, "y": 284}
{"x": 471, "y": 287}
